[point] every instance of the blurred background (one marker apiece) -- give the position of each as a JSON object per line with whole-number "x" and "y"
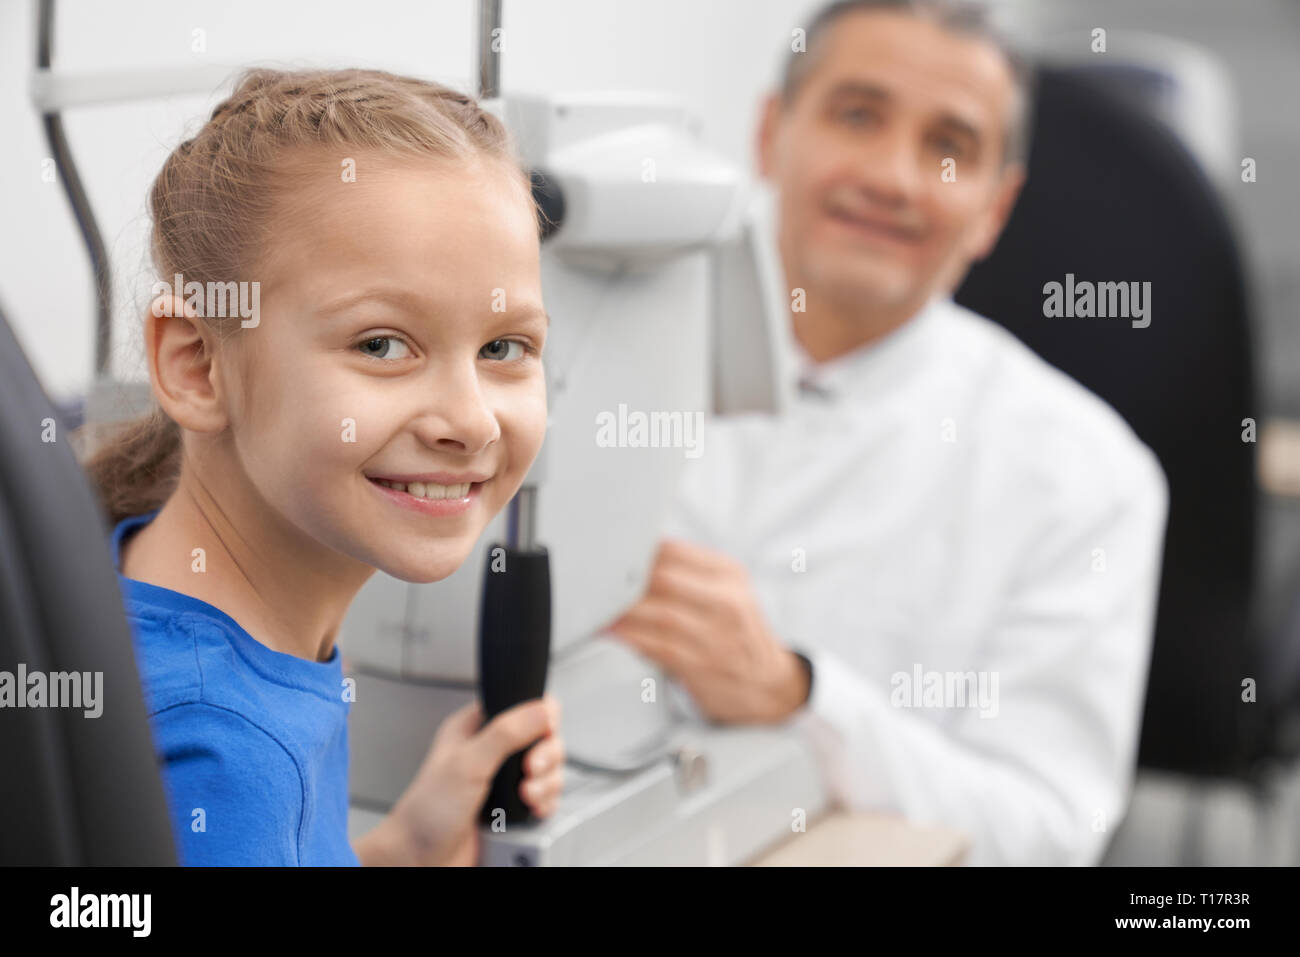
{"x": 1220, "y": 77}
{"x": 720, "y": 55}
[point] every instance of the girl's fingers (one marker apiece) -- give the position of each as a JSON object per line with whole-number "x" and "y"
{"x": 512, "y": 730}
{"x": 457, "y": 728}
{"x": 554, "y": 707}
{"x": 465, "y": 720}
{"x": 544, "y": 792}
{"x": 545, "y": 755}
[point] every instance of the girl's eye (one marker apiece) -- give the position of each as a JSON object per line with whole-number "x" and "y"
{"x": 499, "y": 349}
{"x": 381, "y": 347}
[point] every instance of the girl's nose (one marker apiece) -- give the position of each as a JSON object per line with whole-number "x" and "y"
{"x": 457, "y": 417}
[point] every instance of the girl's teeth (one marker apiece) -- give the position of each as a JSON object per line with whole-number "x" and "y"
{"x": 429, "y": 490}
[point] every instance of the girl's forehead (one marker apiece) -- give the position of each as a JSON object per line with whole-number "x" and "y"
{"x": 414, "y": 217}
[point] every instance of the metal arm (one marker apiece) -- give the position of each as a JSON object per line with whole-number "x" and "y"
{"x": 77, "y": 197}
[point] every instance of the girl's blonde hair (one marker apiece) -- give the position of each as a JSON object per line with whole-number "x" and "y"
{"x": 212, "y": 204}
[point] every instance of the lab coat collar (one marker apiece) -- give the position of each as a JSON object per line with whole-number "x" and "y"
{"x": 870, "y": 369}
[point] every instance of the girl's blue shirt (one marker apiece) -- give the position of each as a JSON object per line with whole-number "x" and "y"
{"x": 253, "y": 743}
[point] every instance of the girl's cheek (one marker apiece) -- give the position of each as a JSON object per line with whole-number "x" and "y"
{"x": 526, "y": 421}
{"x": 343, "y": 423}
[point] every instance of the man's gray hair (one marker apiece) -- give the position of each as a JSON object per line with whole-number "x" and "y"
{"x": 960, "y": 16}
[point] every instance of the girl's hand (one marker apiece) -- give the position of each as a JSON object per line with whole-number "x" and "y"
{"x": 436, "y": 818}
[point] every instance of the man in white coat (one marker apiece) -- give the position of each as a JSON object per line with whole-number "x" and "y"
{"x": 941, "y": 564}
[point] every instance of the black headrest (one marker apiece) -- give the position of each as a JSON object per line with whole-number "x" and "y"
{"x": 1112, "y": 196}
{"x": 82, "y": 790}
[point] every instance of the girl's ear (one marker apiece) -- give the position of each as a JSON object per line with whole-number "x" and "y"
{"x": 178, "y": 345}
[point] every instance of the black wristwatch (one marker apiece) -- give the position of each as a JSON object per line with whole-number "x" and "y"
{"x": 808, "y": 668}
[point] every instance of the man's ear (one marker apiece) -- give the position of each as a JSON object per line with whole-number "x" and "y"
{"x": 765, "y": 142}
{"x": 179, "y": 348}
{"x": 1011, "y": 181}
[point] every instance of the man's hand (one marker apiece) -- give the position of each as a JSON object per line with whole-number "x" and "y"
{"x": 700, "y": 621}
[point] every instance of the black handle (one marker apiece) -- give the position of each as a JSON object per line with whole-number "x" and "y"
{"x": 514, "y": 649}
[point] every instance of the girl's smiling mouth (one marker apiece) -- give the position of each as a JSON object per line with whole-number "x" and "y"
{"x": 440, "y": 494}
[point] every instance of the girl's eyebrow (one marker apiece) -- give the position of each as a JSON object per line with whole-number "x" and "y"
{"x": 413, "y": 302}
{"x": 531, "y": 312}
{"x": 396, "y": 297}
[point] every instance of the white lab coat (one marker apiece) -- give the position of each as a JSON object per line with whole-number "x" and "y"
{"x": 957, "y": 505}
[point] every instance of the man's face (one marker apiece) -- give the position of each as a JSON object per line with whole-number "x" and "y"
{"x": 889, "y": 162}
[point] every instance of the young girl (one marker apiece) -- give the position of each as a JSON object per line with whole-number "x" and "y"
{"x": 378, "y": 404}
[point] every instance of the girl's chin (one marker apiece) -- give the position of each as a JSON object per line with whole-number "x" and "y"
{"x": 424, "y": 571}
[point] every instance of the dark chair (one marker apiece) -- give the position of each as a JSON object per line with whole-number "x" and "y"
{"x": 79, "y": 790}
{"x": 1113, "y": 196}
